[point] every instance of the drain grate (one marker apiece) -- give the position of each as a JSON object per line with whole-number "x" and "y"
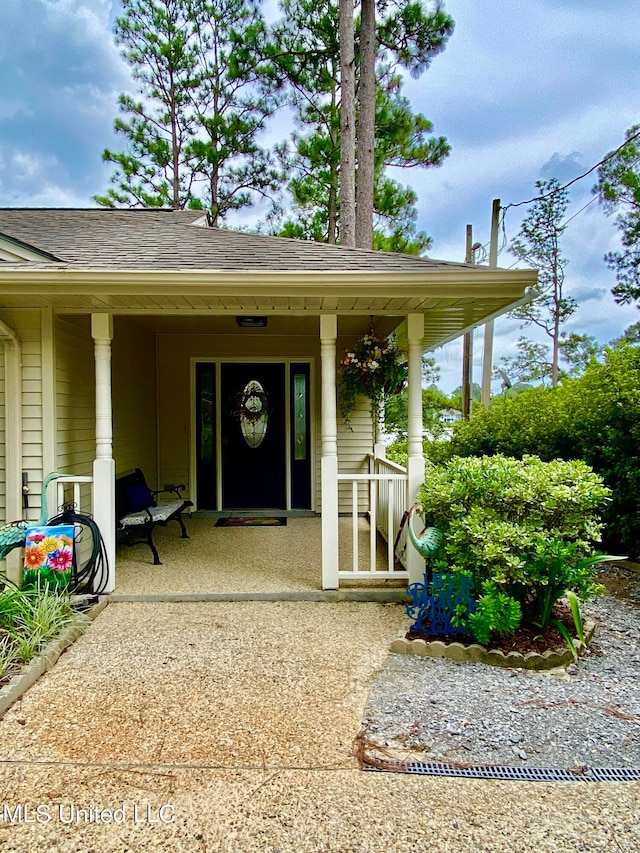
{"x": 495, "y": 771}
{"x": 615, "y": 774}
{"x": 520, "y": 774}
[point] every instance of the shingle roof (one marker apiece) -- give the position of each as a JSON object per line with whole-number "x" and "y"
{"x": 170, "y": 240}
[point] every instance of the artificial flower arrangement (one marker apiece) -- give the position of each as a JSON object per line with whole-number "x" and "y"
{"x": 375, "y": 368}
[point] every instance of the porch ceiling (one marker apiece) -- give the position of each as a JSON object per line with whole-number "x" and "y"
{"x": 170, "y": 301}
{"x": 277, "y": 324}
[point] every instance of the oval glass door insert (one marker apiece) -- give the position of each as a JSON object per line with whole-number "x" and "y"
{"x": 254, "y": 414}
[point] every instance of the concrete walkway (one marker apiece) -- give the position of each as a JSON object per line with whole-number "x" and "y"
{"x": 230, "y": 727}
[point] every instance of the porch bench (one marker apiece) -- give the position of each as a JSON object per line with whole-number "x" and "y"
{"x": 138, "y": 512}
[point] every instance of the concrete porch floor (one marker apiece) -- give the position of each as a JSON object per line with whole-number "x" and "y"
{"x": 243, "y": 560}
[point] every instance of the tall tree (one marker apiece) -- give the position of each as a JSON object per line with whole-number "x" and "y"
{"x": 153, "y": 171}
{"x": 192, "y": 139}
{"x": 618, "y": 189}
{"x": 347, "y": 126}
{"x": 538, "y": 245}
{"x": 231, "y": 99}
{"x": 412, "y": 34}
{"x": 533, "y": 360}
{"x": 365, "y": 184}
{"x": 306, "y": 56}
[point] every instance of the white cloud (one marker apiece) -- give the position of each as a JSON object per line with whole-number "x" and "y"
{"x": 25, "y": 166}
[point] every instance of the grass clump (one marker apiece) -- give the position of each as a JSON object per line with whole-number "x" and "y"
{"x": 29, "y": 618}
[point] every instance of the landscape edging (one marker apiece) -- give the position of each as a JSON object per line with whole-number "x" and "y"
{"x": 45, "y": 659}
{"x": 475, "y": 653}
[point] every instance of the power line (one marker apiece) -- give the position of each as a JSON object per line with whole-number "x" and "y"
{"x": 561, "y": 227}
{"x": 591, "y": 200}
{"x": 544, "y": 196}
{"x": 611, "y": 154}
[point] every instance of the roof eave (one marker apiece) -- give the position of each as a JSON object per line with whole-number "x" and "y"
{"x": 434, "y": 281}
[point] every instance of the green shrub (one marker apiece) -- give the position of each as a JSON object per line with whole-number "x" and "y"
{"x": 397, "y": 452}
{"x": 595, "y": 418}
{"x": 603, "y": 408}
{"x": 495, "y": 613}
{"x": 556, "y": 569}
{"x": 532, "y": 422}
{"x": 501, "y": 517}
{"x": 434, "y": 451}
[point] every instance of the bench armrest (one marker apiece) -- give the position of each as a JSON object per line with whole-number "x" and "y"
{"x": 168, "y": 487}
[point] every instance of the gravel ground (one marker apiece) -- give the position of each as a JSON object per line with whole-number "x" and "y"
{"x": 240, "y": 685}
{"x": 432, "y": 709}
{"x": 311, "y": 811}
{"x": 239, "y": 559}
{"x": 229, "y": 728}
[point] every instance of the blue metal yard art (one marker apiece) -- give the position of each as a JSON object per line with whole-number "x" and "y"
{"x": 435, "y": 602}
{"x": 443, "y": 596}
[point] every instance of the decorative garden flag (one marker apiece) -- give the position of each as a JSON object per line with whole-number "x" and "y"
{"x": 48, "y": 555}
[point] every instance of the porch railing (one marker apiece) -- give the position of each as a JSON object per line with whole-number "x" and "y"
{"x": 386, "y": 483}
{"x": 392, "y": 505}
{"x": 76, "y": 490}
{"x": 79, "y": 492}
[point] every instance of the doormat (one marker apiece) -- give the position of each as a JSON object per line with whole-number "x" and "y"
{"x": 252, "y": 521}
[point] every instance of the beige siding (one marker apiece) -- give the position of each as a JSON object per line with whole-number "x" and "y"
{"x": 75, "y": 396}
{"x": 133, "y": 391}
{"x": 353, "y": 446}
{"x": 175, "y": 354}
{"x": 26, "y": 325}
{"x": 3, "y": 478}
{"x": 134, "y": 398}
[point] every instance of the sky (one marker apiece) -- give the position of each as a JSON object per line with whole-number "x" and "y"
{"x": 525, "y": 90}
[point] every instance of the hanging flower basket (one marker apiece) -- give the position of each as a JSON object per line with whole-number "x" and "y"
{"x": 374, "y": 368}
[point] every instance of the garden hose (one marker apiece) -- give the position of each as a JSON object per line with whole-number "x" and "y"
{"x": 94, "y": 575}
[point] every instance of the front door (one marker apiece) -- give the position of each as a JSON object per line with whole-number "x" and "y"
{"x": 252, "y": 428}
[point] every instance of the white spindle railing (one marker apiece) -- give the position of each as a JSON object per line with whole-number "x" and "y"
{"x": 387, "y": 489}
{"x": 392, "y": 505}
{"x": 82, "y": 498}
{"x": 76, "y": 491}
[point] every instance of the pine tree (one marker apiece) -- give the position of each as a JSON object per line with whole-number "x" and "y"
{"x": 231, "y": 99}
{"x": 366, "y": 167}
{"x": 347, "y": 126}
{"x": 192, "y": 138}
{"x": 538, "y": 245}
{"x": 306, "y": 56}
{"x": 154, "y": 171}
{"x": 618, "y": 189}
{"x": 409, "y": 35}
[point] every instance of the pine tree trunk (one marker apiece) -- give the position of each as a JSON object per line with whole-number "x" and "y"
{"x": 213, "y": 184}
{"x": 366, "y": 126}
{"x": 556, "y": 344}
{"x": 347, "y": 126}
{"x": 333, "y": 215}
{"x": 175, "y": 150}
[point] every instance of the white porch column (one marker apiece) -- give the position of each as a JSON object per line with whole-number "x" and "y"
{"x": 415, "y": 461}
{"x": 104, "y": 466}
{"x": 379, "y": 447}
{"x": 329, "y": 460}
